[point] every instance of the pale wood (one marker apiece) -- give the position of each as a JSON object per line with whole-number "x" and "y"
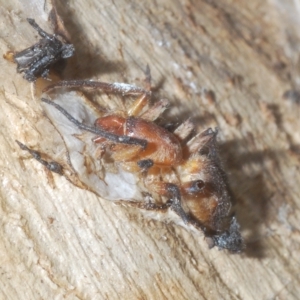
{"x": 60, "y": 242}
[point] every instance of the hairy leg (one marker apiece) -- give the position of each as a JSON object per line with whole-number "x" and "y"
{"x": 184, "y": 130}
{"x": 116, "y": 88}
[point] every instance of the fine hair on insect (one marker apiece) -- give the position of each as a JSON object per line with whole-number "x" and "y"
{"x": 153, "y": 168}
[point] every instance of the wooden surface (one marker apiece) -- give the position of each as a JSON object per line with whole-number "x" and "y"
{"x": 225, "y": 63}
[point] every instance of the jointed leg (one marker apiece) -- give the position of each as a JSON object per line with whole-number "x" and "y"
{"x": 120, "y": 88}
{"x": 125, "y": 153}
{"x": 202, "y": 139}
{"x": 143, "y": 100}
{"x": 40, "y": 31}
{"x": 184, "y": 129}
{"x": 148, "y": 78}
{"x": 138, "y": 105}
{"x": 148, "y": 205}
{"x": 114, "y": 88}
{"x": 156, "y": 110}
{"x": 117, "y": 88}
{"x": 174, "y": 203}
{"x": 174, "y": 192}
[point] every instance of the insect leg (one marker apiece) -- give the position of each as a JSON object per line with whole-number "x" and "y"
{"x": 117, "y": 88}
{"x": 143, "y": 100}
{"x": 114, "y": 88}
{"x": 148, "y": 78}
{"x": 174, "y": 191}
{"x": 184, "y": 130}
{"x": 40, "y": 31}
{"x": 156, "y": 110}
{"x": 138, "y": 104}
{"x": 203, "y": 141}
{"x": 148, "y": 205}
{"x": 125, "y": 153}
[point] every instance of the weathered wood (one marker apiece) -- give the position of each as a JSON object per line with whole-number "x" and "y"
{"x": 224, "y": 63}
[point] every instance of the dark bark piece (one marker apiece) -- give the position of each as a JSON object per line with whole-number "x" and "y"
{"x": 36, "y": 61}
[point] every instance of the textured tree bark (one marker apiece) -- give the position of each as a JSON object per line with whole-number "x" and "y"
{"x": 227, "y": 64}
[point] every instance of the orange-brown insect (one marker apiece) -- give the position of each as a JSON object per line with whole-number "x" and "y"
{"x": 124, "y": 155}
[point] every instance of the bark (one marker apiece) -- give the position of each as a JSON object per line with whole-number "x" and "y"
{"x": 227, "y": 64}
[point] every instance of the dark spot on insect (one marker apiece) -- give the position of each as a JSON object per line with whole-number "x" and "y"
{"x": 145, "y": 164}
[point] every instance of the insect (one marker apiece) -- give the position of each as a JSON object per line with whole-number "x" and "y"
{"x": 124, "y": 155}
{"x": 36, "y": 60}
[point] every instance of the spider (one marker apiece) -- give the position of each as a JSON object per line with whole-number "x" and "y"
{"x": 35, "y": 61}
{"x": 154, "y": 168}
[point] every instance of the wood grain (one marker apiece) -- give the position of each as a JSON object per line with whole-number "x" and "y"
{"x": 224, "y": 63}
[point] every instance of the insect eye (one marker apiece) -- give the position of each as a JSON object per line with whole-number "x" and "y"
{"x": 195, "y": 186}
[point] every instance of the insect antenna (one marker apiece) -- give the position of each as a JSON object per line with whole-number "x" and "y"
{"x": 121, "y": 139}
{"x": 51, "y": 166}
